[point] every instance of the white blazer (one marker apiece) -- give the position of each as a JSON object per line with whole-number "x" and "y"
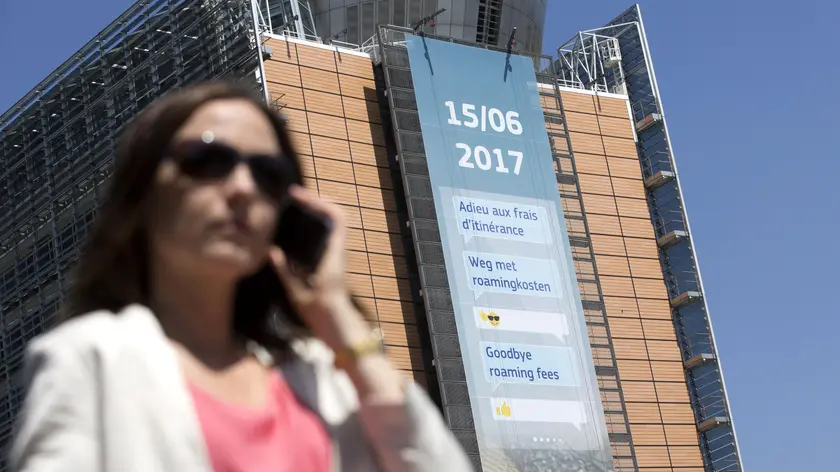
{"x": 106, "y": 394}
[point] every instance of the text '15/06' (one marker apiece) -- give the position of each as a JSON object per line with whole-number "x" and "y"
{"x": 483, "y": 118}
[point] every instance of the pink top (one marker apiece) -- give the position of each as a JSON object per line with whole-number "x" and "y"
{"x": 283, "y": 436}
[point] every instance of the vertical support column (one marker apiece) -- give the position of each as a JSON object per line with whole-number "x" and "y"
{"x": 263, "y": 83}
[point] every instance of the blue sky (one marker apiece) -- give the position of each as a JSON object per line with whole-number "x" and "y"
{"x": 750, "y": 91}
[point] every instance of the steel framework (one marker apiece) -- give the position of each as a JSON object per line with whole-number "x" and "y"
{"x": 617, "y": 57}
{"x": 591, "y": 61}
{"x": 287, "y": 17}
{"x": 291, "y": 19}
{"x": 56, "y": 149}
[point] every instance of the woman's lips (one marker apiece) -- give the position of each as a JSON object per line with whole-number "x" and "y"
{"x": 236, "y": 226}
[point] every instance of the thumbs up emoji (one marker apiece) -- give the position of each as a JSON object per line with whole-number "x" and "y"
{"x": 503, "y": 410}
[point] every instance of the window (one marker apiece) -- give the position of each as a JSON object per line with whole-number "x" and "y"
{"x": 353, "y": 24}
{"x": 489, "y": 17}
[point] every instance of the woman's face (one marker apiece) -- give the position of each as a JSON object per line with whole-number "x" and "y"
{"x": 224, "y": 224}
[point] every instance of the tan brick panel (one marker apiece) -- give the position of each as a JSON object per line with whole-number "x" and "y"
{"x": 600, "y": 204}
{"x": 282, "y": 73}
{"x": 652, "y": 456}
{"x": 611, "y": 265}
{"x": 607, "y": 106}
{"x": 577, "y": 102}
{"x": 288, "y": 96}
{"x": 634, "y": 370}
{"x": 283, "y": 51}
{"x": 648, "y": 434}
{"x": 604, "y": 224}
{"x": 354, "y": 65}
{"x": 317, "y": 79}
{"x": 395, "y": 311}
{"x": 591, "y": 163}
{"x": 358, "y": 87}
{"x": 369, "y": 154}
{"x": 319, "y": 58}
{"x": 636, "y": 391}
{"x": 672, "y": 392}
{"x": 323, "y": 102}
{"x": 637, "y": 227}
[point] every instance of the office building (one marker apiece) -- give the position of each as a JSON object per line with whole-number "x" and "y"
{"x": 355, "y": 120}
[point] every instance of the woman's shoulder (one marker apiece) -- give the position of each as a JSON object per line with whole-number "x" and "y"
{"x": 89, "y": 331}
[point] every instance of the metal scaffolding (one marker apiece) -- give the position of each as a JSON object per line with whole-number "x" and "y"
{"x": 591, "y": 61}
{"x": 616, "y": 58}
{"x": 287, "y": 17}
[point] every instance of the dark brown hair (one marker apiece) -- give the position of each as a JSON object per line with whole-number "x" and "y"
{"x": 113, "y": 270}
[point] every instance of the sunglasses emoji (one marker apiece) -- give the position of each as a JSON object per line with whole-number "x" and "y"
{"x": 492, "y": 318}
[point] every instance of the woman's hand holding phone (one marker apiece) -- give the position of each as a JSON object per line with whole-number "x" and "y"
{"x": 320, "y": 294}
{"x": 324, "y": 302}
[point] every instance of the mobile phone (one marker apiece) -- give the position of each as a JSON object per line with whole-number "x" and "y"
{"x": 302, "y": 235}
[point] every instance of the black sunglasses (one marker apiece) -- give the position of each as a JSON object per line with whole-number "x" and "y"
{"x": 202, "y": 160}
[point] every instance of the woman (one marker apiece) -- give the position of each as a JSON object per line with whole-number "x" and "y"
{"x": 192, "y": 344}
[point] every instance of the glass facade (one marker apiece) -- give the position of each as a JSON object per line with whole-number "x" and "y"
{"x": 624, "y": 63}
{"x": 678, "y": 259}
{"x": 56, "y": 150}
{"x": 291, "y": 15}
{"x": 483, "y": 21}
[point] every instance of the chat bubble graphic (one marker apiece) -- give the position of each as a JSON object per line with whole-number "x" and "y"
{"x": 501, "y": 220}
{"x": 507, "y": 363}
{"x": 538, "y": 411}
{"x": 511, "y": 274}
{"x": 503, "y": 319}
